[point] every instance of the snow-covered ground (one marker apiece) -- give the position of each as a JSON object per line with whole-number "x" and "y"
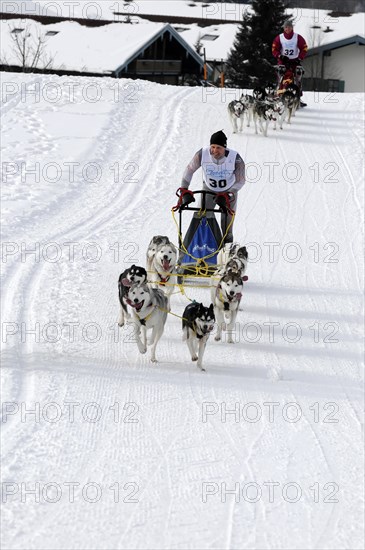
{"x": 102, "y": 449}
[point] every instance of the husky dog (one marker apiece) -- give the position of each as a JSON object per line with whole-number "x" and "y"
{"x": 163, "y": 264}
{"x": 236, "y": 111}
{"x": 259, "y": 94}
{"x": 248, "y": 102}
{"x": 149, "y": 311}
{"x": 281, "y": 110}
{"x": 264, "y": 113}
{"x": 226, "y": 297}
{"x": 291, "y": 99}
{"x": 198, "y": 322}
{"x": 156, "y": 241}
{"x": 132, "y": 275}
{"x": 270, "y": 90}
{"x": 233, "y": 252}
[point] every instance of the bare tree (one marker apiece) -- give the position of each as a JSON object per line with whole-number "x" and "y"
{"x": 315, "y": 64}
{"x": 30, "y": 49}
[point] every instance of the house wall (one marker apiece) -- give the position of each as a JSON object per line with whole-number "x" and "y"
{"x": 347, "y": 64}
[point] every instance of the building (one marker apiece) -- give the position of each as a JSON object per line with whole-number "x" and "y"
{"x": 337, "y": 66}
{"x": 151, "y": 51}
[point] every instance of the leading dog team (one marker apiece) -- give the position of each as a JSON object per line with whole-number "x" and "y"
{"x": 145, "y": 298}
{"x": 144, "y": 294}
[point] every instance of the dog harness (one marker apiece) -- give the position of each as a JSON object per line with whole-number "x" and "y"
{"x": 235, "y": 298}
{"x": 163, "y": 280}
{"x": 144, "y": 319}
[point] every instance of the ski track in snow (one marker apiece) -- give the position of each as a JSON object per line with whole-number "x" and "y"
{"x": 171, "y": 452}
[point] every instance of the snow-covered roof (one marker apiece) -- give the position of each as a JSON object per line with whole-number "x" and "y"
{"x": 328, "y": 29}
{"x": 106, "y": 9}
{"x": 88, "y": 49}
{"x": 221, "y": 37}
{"x": 216, "y": 39}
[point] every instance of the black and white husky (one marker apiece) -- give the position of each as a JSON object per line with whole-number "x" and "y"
{"x": 198, "y": 322}
{"x": 263, "y": 113}
{"x": 132, "y": 275}
{"x": 163, "y": 266}
{"x": 149, "y": 311}
{"x": 226, "y": 296}
{"x": 236, "y": 111}
{"x": 291, "y": 100}
{"x": 156, "y": 241}
{"x": 231, "y": 254}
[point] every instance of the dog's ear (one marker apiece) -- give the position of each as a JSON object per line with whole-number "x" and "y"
{"x": 200, "y": 308}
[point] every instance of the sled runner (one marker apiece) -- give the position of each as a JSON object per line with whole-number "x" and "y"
{"x": 203, "y": 238}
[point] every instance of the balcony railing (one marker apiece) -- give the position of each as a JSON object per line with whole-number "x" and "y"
{"x": 161, "y": 66}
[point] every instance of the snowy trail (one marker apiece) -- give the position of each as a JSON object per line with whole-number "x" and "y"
{"x": 276, "y": 418}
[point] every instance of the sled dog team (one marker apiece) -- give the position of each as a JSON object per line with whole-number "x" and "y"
{"x": 144, "y": 296}
{"x": 264, "y": 107}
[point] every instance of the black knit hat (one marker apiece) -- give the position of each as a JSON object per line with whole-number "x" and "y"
{"x": 219, "y": 138}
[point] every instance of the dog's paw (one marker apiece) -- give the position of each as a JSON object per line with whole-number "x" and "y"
{"x": 154, "y": 360}
{"x": 194, "y": 357}
{"x": 142, "y": 349}
{"x": 201, "y": 367}
{"x": 217, "y": 338}
{"x": 121, "y": 324}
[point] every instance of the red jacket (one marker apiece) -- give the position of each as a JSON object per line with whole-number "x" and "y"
{"x": 276, "y": 45}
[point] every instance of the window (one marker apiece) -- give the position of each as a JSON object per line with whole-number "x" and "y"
{"x": 17, "y": 31}
{"x": 209, "y": 37}
{"x": 51, "y": 33}
{"x": 334, "y": 85}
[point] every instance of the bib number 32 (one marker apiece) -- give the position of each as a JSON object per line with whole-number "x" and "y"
{"x": 221, "y": 184}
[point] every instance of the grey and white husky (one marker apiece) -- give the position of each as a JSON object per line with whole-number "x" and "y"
{"x": 149, "y": 311}
{"x": 197, "y": 324}
{"x": 163, "y": 266}
{"x": 155, "y": 242}
{"x": 236, "y": 112}
{"x": 230, "y": 254}
{"x": 226, "y": 296}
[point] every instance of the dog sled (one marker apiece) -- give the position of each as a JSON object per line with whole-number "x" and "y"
{"x": 203, "y": 239}
{"x": 287, "y": 76}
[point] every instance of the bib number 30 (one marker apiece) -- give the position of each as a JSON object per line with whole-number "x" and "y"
{"x": 221, "y": 184}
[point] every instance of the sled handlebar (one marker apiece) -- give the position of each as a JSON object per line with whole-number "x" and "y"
{"x": 216, "y": 208}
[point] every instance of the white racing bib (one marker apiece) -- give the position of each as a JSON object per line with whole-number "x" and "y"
{"x": 289, "y": 47}
{"x": 218, "y": 177}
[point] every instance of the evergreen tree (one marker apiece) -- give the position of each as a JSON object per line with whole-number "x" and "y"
{"x": 250, "y": 60}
